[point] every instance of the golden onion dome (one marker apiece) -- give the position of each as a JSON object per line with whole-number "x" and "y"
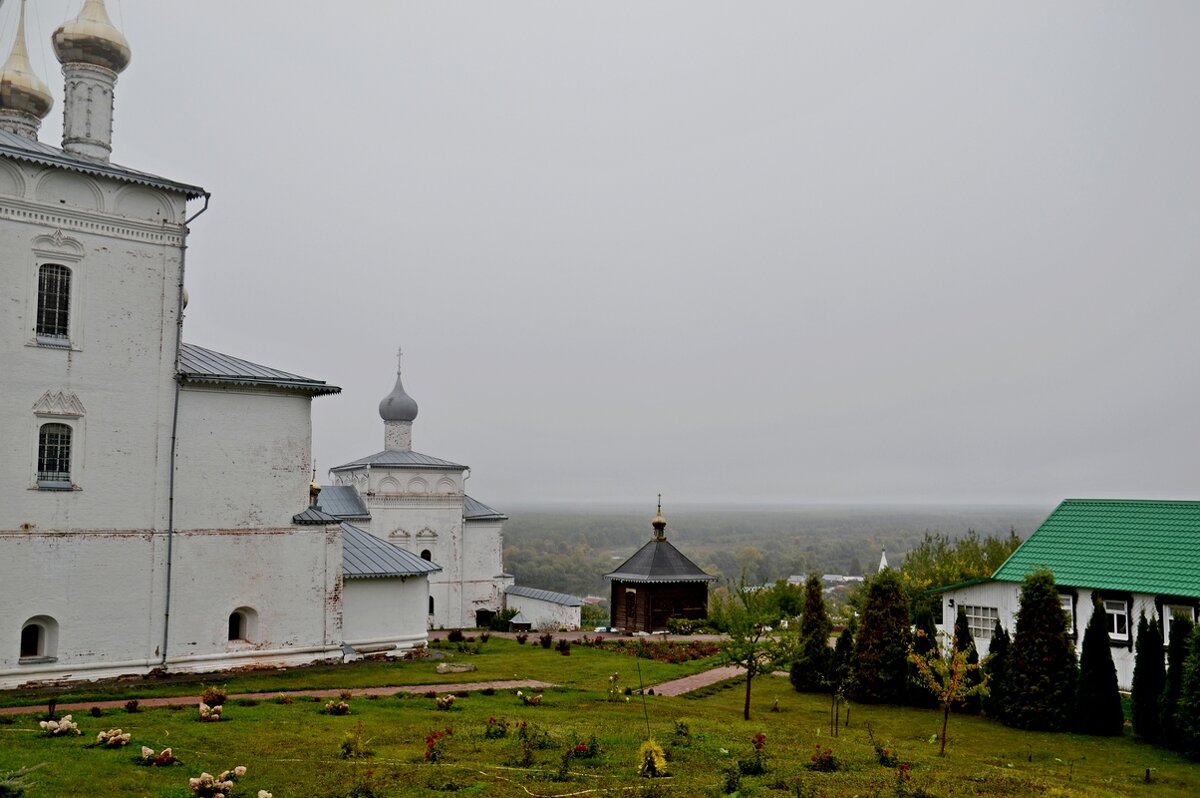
{"x": 21, "y": 89}
{"x": 91, "y": 38}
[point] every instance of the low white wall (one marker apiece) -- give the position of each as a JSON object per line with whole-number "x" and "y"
{"x": 545, "y": 614}
{"x": 386, "y": 613}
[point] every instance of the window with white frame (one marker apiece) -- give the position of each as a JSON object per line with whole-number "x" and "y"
{"x": 981, "y": 621}
{"x": 54, "y": 304}
{"x": 1175, "y": 612}
{"x": 1118, "y": 619}
{"x": 54, "y": 456}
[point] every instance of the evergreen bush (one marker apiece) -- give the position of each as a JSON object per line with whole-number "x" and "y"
{"x": 1041, "y": 672}
{"x": 1188, "y": 710}
{"x": 841, "y": 669}
{"x": 995, "y": 668}
{"x": 810, "y": 670}
{"x": 1097, "y": 699}
{"x": 965, "y": 641}
{"x": 1149, "y": 676}
{"x": 881, "y": 645}
{"x": 1168, "y": 705}
{"x": 925, "y": 643}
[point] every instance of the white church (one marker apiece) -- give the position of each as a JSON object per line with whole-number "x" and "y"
{"x": 156, "y": 509}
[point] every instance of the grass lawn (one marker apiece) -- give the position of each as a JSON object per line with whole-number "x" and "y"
{"x": 294, "y": 749}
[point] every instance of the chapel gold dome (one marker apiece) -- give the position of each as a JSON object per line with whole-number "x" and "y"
{"x": 21, "y": 89}
{"x": 91, "y": 38}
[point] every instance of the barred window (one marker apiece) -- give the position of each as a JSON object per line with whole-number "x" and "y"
{"x": 981, "y": 621}
{"x": 54, "y": 453}
{"x": 54, "y": 300}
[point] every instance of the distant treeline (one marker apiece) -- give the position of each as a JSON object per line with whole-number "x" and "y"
{"x": 570, "y": 550}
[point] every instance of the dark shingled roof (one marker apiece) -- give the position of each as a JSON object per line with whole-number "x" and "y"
{"x": 365, "y": 556}
{"x": 197, "y": 364}
{"x": 475, "y": 510}
{"x": 313, "y": 517}
{"x": 659, "y": 561}
{"x": 344, "y": 502}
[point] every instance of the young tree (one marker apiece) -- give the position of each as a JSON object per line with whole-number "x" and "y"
{"x": 965, "y": 641}
{"x": 995, "y": 666}
{"x": 754, "y": 642}
{"x": 1149, "y": 676}
{"x": 1040, "y": 682}
{"x": 948, "y": 679}
{"x": 881, "y": 646}
{"x": 924, "y": 645}
{"x": 1168, "y": 706}
{"x": 1188, "y": 710}
{"x": 810, "y": 669}
{"x": 1097, "y": 699}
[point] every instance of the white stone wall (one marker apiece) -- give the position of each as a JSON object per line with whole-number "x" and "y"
{"x": 243, "y": 458}
{"x": 385, "y": 615}
{"x": 545, "y": 614}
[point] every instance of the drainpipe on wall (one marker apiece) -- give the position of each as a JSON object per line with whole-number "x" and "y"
{"x": 174, "y": 433}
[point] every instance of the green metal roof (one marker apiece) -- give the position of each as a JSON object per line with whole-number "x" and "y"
{"x": 1115, "y": 544}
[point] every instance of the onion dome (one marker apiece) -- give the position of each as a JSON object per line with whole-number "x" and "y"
{"x": 659, "y": 523}
{"x": 91, "y": 38}
{"x": 20, "y": 89}
{"x": 398, "y": 405}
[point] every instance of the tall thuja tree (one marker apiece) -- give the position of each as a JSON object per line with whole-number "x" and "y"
{"x": 881, "y": 646}
{"x": 841, "y": 670}
{"x": 965, "y": 641}
{"x": 1097, "y": 698}
{"x": 1040, "y": 678}
{"x": 1149, "y": 676}
{"x": 1187, "y": 715}
{"x": 995, "y": 666}
{"x": 810, "y": 670}
{"x": 925, "y": 647}
{"x": 1168, "y": 704}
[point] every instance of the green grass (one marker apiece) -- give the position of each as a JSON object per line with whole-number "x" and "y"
{"x": 293, "y": 749}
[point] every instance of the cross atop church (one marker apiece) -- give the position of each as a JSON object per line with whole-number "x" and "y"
{"x": 399, "y": 356}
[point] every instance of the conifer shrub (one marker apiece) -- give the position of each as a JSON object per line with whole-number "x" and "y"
{"x": 1041, "y": 673}
{"x": 1188, "y": 709}
{"x": 810, "y": 670}
{"x": 965, "y": 641}
{"x": 841, "y": 669}
{"x": 1149, "y": 676}
{"x": 881, "y": 645}
{"x": 995, "y": 668}
{"x": 924, "y": 645}
{"x": 1097, "y": 699}
{"x": 1168, "y": 705}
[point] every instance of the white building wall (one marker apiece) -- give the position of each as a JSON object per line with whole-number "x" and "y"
{"x": 243, "y": 458}
{"x": 545, "y": 614}
{"x": 386, "y": 614}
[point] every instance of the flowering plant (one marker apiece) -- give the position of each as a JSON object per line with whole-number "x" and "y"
{"x": 434, "y": 745}
{"x": 209, "y": 786}
{"x": 445, "y": 702}
{"x": 210, "y": 714}
{"x": 495, "y": 729}
{"x": 756, "y": 765}
{"x": 337, "y": 708}
{"x": 823, "y": 760}
{"x": 113, "y": 738}
{"x": 151, "y": 759}
{"x": 530, "y": 700}
{"x": 651, "y": 760}
{"x": 614, "y": 687}
{"x": 60, "y": 728}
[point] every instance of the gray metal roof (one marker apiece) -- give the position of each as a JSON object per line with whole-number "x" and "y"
{"x": 344, "y": 502}
{"x": 23, "y": 149}
{"x": 544, "y": 595}
{"x": 394, "y": 459}
{"x": 365, "y": 556}
{"x": 200, "y": 365}
{"x": 313, "y": 517}
{"x": 659, "y": 561}
{"x": 475, "y": 510}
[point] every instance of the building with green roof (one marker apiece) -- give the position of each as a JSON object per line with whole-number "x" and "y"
{"x": 1129, "y": 557}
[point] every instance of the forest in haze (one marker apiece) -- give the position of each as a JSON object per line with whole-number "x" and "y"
{"x": 569, "y": 549}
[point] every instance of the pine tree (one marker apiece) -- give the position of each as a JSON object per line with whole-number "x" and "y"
{"x": 965, "y": 641}
{"x": 1149, "y": 676}
{"x": 1097, "y": 699}
{"x": 881, "y": 646}
{"x": 924, "y": 646}
{"x": 1188, "y": 710}
{"x": 810, "y": 671}
{"x": 1177, "y": 649}
{"x": 842, "y": 668}
{"x": 995, "y": 666}
{"x": 1041, "y": 674}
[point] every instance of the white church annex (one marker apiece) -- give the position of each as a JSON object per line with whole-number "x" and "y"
{"x": 419, "y": 503}
{"x": 155, "y": 508}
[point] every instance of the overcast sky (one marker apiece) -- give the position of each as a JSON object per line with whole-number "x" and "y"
{"x": 864, "y": 252}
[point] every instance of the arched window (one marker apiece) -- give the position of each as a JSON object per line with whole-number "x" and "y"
{"x": 243, "y": 623}
{"x": 431, "y": 605}
{"x": 426, "y": 554}
{"x": 39, "y": 639}
{"x": 54, "y": 301}
{"x": 54, "y": 454}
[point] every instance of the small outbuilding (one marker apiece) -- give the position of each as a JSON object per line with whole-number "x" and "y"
{"x": 656, "y": 584}
{"x": 543, "y": 609}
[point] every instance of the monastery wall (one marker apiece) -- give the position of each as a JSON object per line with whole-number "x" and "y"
{"x": 381, "y": 613}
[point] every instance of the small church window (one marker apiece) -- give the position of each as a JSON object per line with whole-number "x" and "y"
{"x": 39, "y": 639}
{"x": 54, "y": 454}
{"x": 426, "y": 554}
{"x": 31, "y": 640}
{"x": 242, "y": 622}
{"x": 431, "y": 605}
{"x": 54, "y": 301}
